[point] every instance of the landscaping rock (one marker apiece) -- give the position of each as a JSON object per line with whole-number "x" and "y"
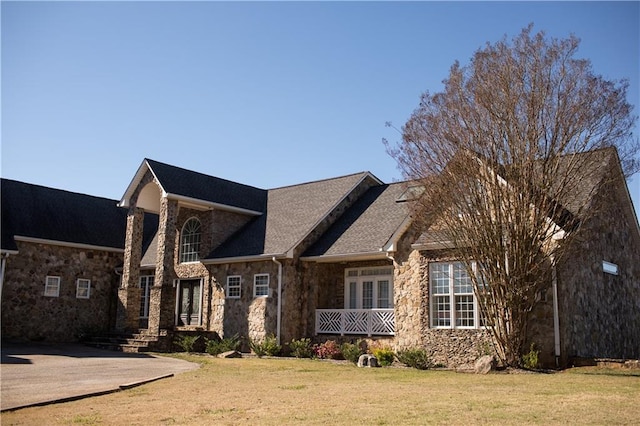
{"x": 484, "y": 364}
{"x": 367, "y": 360}
{"x": 230, "y": 354}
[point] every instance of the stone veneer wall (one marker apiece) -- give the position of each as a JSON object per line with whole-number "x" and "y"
{"x": 248, "y": 316}
{"x": 28, "y": 315}
{"x": 600, "y": 312}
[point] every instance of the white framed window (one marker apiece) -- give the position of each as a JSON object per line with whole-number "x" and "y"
{"x": 83, "y": 288}
{"x": 146, "y": 282}
{"x": 52, "y": 286}
{"x": 368, "y": 288}
{"x": 452, "y": 300}
{"x": 261, "y": 285}
{"x": 190, "y": 241}
{"x": 234, "y": 287}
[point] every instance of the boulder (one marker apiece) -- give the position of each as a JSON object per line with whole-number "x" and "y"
{"x": 367, "y": 360}
{"x": 484, "y": 364}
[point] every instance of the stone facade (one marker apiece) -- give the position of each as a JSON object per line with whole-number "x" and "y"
{"x": 29, "y": 315}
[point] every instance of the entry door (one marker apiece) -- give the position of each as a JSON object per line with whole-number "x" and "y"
{"x": 189, "y": 302}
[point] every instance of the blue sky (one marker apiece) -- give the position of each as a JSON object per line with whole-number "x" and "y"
{"x": 267, "y": 94}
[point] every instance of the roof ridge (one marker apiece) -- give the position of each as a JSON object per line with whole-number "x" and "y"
{"x": 324, "y": 180}
{"x": 150, "y": 160}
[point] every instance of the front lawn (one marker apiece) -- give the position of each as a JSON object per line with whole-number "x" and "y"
{"x": 303, "y": 391}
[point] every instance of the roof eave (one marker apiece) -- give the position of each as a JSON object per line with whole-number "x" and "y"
{"x": 238, "y": 259}
{"x": 209, "y": 205}
{"x": 347, "y": 257}
{"x": 67, "y": 244}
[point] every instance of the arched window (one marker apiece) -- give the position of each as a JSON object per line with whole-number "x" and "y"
{"x": 190, "y": 241}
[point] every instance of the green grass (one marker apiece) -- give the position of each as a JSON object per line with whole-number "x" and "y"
{"x": 303, "y": 391}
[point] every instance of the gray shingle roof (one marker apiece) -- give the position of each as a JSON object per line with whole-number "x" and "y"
{"x": 187, "y": 183}
{"x": 292, "y": 213}
{"x": 52, "y": 214}
{"x": 365, "y": 227}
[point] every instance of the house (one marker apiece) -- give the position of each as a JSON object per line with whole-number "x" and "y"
{"x": 336, "y": 258}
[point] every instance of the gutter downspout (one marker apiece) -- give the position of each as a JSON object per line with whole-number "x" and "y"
{"x": 556, "y": 319}
{"x": 2, "y": 266}
{"x": 279, "y": 309}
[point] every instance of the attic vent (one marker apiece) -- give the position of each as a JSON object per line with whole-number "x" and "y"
{"x": 609, "y": 268}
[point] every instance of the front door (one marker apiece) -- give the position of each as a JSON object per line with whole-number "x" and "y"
{"x": 189, "y": 302}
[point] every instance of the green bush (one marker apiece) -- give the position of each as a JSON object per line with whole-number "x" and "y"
{"x": 352, "y": 351}
{"x": 415, "y": 358}
{"x": 301, "y": 348}
{"x": 186, "y": 341}
{"x": 268, "y": 346}
{"x": 218, "y": 346}
{"x": 530, "y": 359}
{"x": 384, "y": 356}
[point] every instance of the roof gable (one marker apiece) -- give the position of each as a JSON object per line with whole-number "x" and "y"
{"x": 367, "y": 227}
{"x": 293, "y": 212}
{"x": 176, "y": 182}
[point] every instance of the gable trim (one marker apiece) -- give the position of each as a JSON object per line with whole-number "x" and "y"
{"x": 66, "y": 244}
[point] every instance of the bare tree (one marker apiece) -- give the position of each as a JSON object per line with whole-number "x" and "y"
{"x": 508, "y": 158}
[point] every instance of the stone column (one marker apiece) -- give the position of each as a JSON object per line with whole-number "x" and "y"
{"x": 162, "y": 302}
{"x": 128, "y": 313}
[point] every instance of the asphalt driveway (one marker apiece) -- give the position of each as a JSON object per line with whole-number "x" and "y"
{"x": 38, "y": 374}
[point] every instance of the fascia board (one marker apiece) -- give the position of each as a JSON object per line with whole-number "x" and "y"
{"x": 238, "y": 259}
{"x": 67, "y": 244}
{"x": 347, "y": 257}
{"x": 208, "y": 205}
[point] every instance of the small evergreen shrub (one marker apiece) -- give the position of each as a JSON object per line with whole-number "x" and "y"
{"x": 185, "y": 341}
{"x": 530, "y": 360}
{"x": 414, "y": 358}
{"x": 328, "y": 350}
{"x": 218, "y": 346}
{"x": 352, "y": 351}
{"x": 268, "y": 346}
{"x": 384, "y": 355}
{"x": 301, "y": 348}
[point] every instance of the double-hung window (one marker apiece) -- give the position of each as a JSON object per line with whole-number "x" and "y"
{"x": 261, "y": 285}
{"x": 368, "y": 288}
{"x": 233, "y": 287}
{"x": 453, "y": 303}
{"x": 52, "y": 286}
{"x": 83, "y": 288}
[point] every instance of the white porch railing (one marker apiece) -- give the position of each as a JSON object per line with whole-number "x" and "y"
{"x": 355, "y": 321}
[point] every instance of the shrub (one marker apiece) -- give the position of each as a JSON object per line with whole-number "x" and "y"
{"x": 268, "y": 346}
{"x": 186, "y": 341}
{"x": 352, "y": 351}
{"x": 415, "y": 358}
{"x": 530, "y": 359}
{"x": 218, "y": 346}
{"x": 328, "y": 350}
{"x": 384, "y": 355}
{"x": 301, "y": 348}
